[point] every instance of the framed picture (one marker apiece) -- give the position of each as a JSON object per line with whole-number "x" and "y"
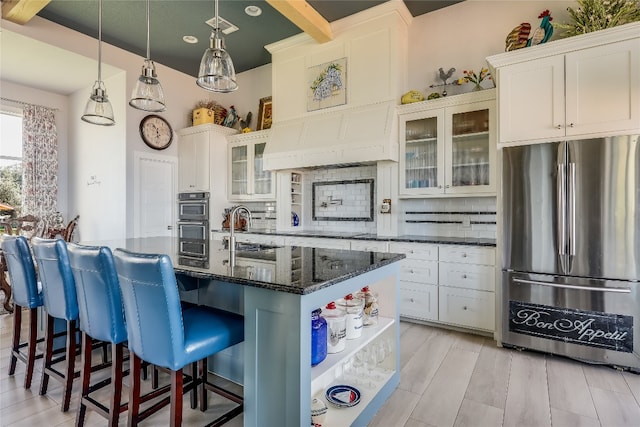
{"x": 327, "y": 85}
{"x": 265, "y": 113}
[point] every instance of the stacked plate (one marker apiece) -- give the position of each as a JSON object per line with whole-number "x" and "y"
{"x": 343, "y": 396}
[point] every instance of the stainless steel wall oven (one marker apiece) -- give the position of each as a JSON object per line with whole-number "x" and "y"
{"x": 193, "y": 229}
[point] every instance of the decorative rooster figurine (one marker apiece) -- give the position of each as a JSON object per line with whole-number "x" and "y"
{"x": 519, "y": 36}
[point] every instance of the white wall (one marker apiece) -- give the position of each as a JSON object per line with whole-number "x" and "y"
{"x": 463, "y": 35}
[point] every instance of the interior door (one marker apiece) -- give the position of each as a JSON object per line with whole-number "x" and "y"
{"x": 154, "y": 195}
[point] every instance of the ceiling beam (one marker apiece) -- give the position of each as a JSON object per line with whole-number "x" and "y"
{"x": 305, "y": 17}
{"x": 21, "y": 11}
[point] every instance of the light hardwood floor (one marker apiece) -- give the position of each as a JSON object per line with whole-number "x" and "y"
{"x": 448, "y": 378}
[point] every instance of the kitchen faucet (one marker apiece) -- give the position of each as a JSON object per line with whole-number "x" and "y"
{"x": 232, "y": 223}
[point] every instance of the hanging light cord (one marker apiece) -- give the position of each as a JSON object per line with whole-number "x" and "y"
{"x": 100, "y": 41}
{"x": 217, "y": 17}
{"x": 148, "y": 25}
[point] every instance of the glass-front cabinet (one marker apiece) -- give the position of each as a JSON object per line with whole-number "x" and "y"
{"x": 448, "y": 146}
{"x": 247, "y": 179}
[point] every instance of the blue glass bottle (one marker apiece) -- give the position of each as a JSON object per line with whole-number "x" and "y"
{"x": 318, "y": 337}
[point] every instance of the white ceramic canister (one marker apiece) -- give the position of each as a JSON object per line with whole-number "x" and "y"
{"x": 370, "y": 306}
{"x": 354, "y": 309}
{"x": 336, "y": 327}
{"x": 318, "y": 412}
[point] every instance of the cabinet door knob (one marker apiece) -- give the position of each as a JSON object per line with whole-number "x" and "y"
{"x": 464, "y": 276}
{"x": 559, "y": 127}
{"x": 439, "y": 186}
{"x": 464, "y": 255}
{"x": 464, "y": 308}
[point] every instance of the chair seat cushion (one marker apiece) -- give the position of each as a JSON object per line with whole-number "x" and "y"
{"x": 208, "y": 331}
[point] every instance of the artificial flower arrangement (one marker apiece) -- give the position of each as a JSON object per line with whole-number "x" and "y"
{"x": 470, "y": 76}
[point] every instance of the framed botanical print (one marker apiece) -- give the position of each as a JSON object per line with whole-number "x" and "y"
{"x": 327, "y": 85}
{"x": 265, "y": 113}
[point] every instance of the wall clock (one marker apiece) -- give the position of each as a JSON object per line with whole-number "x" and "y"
{"x": 156, "y": 132}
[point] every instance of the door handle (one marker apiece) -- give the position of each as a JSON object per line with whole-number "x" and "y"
{"x": 169, "y": 227}
{"x": 562, "y": 209}
{"x": 572, "y": 209}
{"x": 576, "y": 287}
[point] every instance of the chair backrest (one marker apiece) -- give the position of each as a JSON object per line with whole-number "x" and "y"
{"x": 151, "y": 306}
{"x": 71, "y": 227}
{"x": 56, "y": 277}
{"x": 98, "y": 290}
{"x": 22, "y": 272}
{"x": 29, "y": 226}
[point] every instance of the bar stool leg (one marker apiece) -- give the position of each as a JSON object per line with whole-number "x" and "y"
{"x": 85, "y": 378}
{"x": 48, "y": 354}
{"x": 71, "y": 361}
{"x": 203, "y": 384}
{"x": 176, "y": 398}
{"x": 31, "y": 355}
{"x": 15, "y": 345}
{"x": 134, "y": 389}
{"x": 117, "y": 358}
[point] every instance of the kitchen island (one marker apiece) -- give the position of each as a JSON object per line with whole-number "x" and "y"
{"x": 276, "y": 289}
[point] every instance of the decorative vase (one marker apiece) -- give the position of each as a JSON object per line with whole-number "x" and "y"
{"x": 477, "y": 87}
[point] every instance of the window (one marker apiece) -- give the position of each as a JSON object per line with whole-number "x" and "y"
{"x": 10, "y": 160}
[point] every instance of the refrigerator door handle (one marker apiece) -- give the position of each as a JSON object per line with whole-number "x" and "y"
{"x": 576, "y": 287}
{"x": 561, "y": 213}
{"x": 572, "y": 211}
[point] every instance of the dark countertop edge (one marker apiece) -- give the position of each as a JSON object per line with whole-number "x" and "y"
{"x": 470, "y": 241}
{"x": 387, "y": 259}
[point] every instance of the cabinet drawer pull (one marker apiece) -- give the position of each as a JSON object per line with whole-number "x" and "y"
{"x": 464, "y": 308}
{"x": 559, "y": 127}
{"x": 464, "y": 255}
{"x": 570, "y": 125}
{"x": 411, "y": 299}
{"x": 464, "y": 276}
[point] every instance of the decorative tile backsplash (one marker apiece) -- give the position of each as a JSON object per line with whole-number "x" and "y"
{"x": 360, "y": 198}
{"x": 454, "y": 217}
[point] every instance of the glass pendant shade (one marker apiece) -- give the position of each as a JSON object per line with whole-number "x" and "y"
{"x": 147, "y": 94}
{"x": 217, "y": 73}
{"x": 98, "y": 110}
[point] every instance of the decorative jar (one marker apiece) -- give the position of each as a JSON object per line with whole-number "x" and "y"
{"x": 318, "y": 338}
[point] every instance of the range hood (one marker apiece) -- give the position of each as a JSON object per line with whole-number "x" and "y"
{"x": 363, "y": 134}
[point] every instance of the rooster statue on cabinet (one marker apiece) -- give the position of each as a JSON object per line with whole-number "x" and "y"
{"x": 519, "y": 36}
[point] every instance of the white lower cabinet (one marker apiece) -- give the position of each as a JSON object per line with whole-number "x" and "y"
{"x": 467, "y": 307}
{"x": 452, "y": 284}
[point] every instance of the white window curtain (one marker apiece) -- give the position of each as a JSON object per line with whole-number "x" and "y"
{"x": 39, "y": 162}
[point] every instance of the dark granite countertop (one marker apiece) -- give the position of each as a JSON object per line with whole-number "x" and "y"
{"x": 471, "y": 241}
{"x": 311, "y": 268}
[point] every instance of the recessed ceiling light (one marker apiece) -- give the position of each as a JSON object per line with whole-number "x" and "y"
{"x": 253, "y": 10}
{"x": 190, "y": 39}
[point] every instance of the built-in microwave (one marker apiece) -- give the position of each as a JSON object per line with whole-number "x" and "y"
{"x": 193, "y": 206}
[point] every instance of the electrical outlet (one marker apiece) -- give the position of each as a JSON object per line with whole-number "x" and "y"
{"x": 385, "y": 207}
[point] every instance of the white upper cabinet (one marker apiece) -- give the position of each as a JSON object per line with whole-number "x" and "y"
{"x": 448, "y": 147}
{"x": 583, "y": 86}
{"x": 198, "y": 146}
{"x": 247, "y": 179}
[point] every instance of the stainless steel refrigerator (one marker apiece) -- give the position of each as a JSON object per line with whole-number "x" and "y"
{"x": 571, "y": 253}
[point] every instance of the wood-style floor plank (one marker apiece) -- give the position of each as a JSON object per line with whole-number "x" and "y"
{"x": 490, "y": 377}
{"x": 616, "y": 409}
{"x": 568, "y": 388}
{"x": 527, "y": 396}
{"x": 478, "y": 414}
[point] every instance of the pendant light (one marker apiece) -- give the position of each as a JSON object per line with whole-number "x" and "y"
{"x": 217, "y": 73}
{"x": 148, "y": 94}
{"x": 98, "y": 110}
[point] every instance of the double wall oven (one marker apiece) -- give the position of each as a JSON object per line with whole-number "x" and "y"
{"x": 193, "y": 229}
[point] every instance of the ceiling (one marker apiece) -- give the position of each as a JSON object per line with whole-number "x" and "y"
{"x": 124, "y": 26}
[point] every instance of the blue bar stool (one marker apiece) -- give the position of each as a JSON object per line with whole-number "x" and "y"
{"x": 102, "y": 319}
{"x": 161, "y": 333}
{"x": 24, "y": 284}
{"x": 60, "y": 302}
